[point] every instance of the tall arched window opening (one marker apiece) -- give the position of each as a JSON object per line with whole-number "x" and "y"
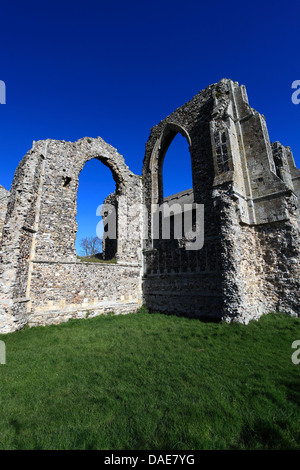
{"x": 177, "y": 168}
{"x": 174, "y": 189}
{"x": 96, "y": 187}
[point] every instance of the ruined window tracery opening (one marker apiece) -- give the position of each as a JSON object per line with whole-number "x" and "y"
{"x": 175, "y": 184}
{"x": 97, "y": 189}
{"x": 222, "y": 151}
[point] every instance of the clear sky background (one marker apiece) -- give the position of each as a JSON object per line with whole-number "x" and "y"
{"x": 115, "y": 69}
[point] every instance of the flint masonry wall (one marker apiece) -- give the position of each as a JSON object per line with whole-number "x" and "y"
{"x": 60, "y": 291}
{"x": 42, "y": 281}
{"x": 249, "y": 264}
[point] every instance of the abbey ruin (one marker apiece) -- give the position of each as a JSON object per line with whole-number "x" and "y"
{"x": 250, "y": 190}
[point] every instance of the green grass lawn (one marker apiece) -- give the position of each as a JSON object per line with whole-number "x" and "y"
{"x": 150, "y": 381}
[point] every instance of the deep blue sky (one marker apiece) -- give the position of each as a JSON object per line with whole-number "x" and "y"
{"x": 115, "y": 69}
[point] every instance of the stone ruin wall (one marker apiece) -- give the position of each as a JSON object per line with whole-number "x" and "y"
{"x": 42, "y": 281}
{"x": 60, "y": 291}
{"x": 249, "y": 264}
{"x": 250, "y": 188}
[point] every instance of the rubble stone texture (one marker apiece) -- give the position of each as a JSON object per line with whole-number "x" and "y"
{"x": 250, "y": 188}
{"x": 4, "y": 194}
